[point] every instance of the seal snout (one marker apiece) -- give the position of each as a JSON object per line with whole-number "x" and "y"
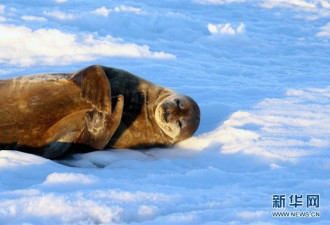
{"x": 178, "y": 116}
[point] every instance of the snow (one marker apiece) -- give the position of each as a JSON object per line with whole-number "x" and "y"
{"x": 52, "y": 46}
{"x": 325, "y": 31}
{"x": 103, "y": 11}
{"x": 59, "y": 15}
{"x": 259, "y": 71}
{"x": 225, "y": 29}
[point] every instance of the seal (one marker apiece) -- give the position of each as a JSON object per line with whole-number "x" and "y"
{"x": 95, "y": 108}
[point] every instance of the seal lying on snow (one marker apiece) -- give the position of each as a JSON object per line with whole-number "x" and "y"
{"x": 52, "y": 113}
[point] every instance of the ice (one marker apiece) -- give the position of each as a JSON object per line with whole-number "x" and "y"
{"x": 259, "y": 71}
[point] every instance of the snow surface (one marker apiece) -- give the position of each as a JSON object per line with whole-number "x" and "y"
{"x": 259, "y": 71}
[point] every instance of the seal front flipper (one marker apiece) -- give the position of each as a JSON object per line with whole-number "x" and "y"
{"x": 95, "y": 87}
{"x": 100, "y": 127}
{"x": 100, "y": 122}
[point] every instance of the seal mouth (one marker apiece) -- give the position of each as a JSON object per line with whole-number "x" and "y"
{"x": 152, "y": 104}
{"x": 165, "y": 116}
{"x": 161, "y": 114}
{"x": 164, "y": 112}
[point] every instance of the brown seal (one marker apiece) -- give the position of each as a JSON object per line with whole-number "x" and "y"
{"x": 51, "y": 113}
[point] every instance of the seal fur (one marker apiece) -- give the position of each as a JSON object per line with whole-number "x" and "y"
{"x": 50, "y": 114}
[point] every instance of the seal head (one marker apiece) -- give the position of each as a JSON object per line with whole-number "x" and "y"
{"x": 178, "y": 116}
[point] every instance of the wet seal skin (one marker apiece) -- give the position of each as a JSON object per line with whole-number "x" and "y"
{"x": 95, "y": 108}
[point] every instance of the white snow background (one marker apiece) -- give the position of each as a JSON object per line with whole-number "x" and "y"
{"x": 260, "y": 71}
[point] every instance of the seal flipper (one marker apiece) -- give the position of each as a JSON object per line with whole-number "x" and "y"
{"x": 62, "y": 130}
{"x": 100, "y": 123}
{"x": 59, "y": 137}
{"x": 95, "y": 87}
{"x": 91, "y": 128}
{"x": 100, "y": 127}
{"x": 87, "y": 128}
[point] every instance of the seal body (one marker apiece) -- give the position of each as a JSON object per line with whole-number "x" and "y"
{"x": 93, "y": 108}
{"x": 31, "y": 105}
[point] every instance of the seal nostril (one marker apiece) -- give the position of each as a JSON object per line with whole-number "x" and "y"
{"x": 178, "y": 103}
